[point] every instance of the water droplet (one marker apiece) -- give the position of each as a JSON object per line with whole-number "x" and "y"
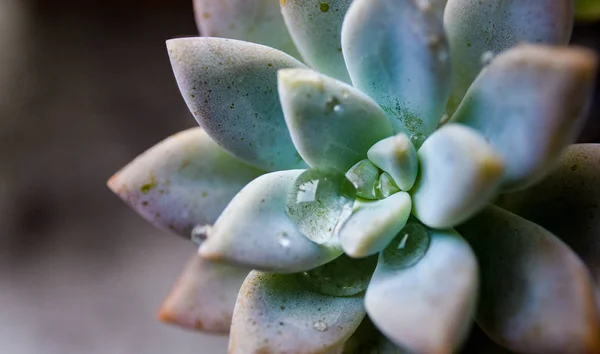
{"x": 385, "y": 186}
{"x": 343, "y": 276}
{"x": 200, "y": 233}
{"x": 417, "y": 140}
{"x": 338, "y": 109}
{"x": 320, "y": 326}
{"x": 487, "y": 57}
{"x": 364, "y": 175}
{"x": 332, "y": 103}
{"x": 284, "y": 240}
{"x": 317, "y": 200}
{"x": 409, "y": 246}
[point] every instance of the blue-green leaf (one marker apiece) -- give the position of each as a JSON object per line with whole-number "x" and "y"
{"x": 257, "y": 21}
{"x": 230, "y": 87}
{"x": 332, "y": 124}
{"x": 204, "y": 296}
{"x": 373, "y": 224}
{"x": 529, "y": 104}
{"x": 276, "y": 314}
{"x": 426, "y": 308}
{"x": 184, "y": 181}
{"x": 536, "y": 295}
{"x": 459, "y": 174}
{"x": 396, "y": 52}
{"x": 566, "y": 202}
{"x": 480, "y": 29}
{"x": 315, "y": 26}
{"x": 255, "y": 232}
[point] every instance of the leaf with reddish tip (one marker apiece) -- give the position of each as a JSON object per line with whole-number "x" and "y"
{"x": 567, "y": 203}
{"x": 257, "y": 21}
{"x": 536, "y": 294}
{"x": 477, "y": 29}
{"x": 545, "y": 93}
{"x": 204, "y": 296}
{"x": 184, "y": 181}
{"x": 275, "y": 314}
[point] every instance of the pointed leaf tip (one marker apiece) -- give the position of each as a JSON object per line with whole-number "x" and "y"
{"x": 183, "y": 181}
{"x": 230, "y": 87}
{"x": 204, "y": 296}
{"x": 255, "y": 232}
{"x": 545, "y": 93}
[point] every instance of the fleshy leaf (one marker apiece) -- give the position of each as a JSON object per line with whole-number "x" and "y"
{"x": 459, "y": 174}
{"x": 545, "y": 92}
{"x": 315, "y": 26}
{"x": 230, "y": 87}
{"x": 204, "y": 296}
{"x": 276, "y": 314}
{"x": 536, "y": 294}
{"x": 397, "y": 156}
{"x": 332, "y": 124}
{"x": 255, "y": 232}
{"x": 396, "y": 52}
{"x": 343, "y": 276}
{"x": 184, "y": 181}
{"x": 385, "y": 186}
{"x": 364, "y": 176}
{"x": 373, "y": 224}
{"x": 317, "y": 201}
{"x": 427, "y": 308}
{"x": 566, "y": 202}
{"x": 368, "y": 340}
{"x": 479, "y": 29}
{"x": 257, "y": 21}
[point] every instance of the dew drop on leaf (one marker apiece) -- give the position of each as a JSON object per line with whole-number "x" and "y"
{"x": 417, "y": 140}
{"x": 316, "y": 202}
{"x": 200, "y": 233}
{"x": 409, "y": 246}
{"x": 343, "y": 276}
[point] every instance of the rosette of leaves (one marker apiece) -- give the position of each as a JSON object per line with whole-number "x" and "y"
{"x": 372, "y": 175}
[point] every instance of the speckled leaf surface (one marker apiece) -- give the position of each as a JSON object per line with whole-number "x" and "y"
{"x": 566, "y": 202}
{"x": 315, "y": 26}
{"x": 459, "y": 174}
{"x": 427, "y": 308}
{"x": 536, "y": 295}
{"x": 396, "y": 52}
{"x": 254, "y": 230}
{"x": 332, "y": 124}
{"x": 204, "y": 296}
{"x": 257, "y": 21}
{"x": 373, "y": 224}
{"x": 477, "y": 29}
{"x": 184, "y": 181}
{"x": 275, "y": 314}
{"x": 230, "y": 87}
{"x": 545, "y": 92}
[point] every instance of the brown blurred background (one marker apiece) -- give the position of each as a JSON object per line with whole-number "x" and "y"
{"x": 84, "y": 88}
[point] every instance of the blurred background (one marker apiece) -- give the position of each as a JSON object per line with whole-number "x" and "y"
{"x": 84, "y": 88}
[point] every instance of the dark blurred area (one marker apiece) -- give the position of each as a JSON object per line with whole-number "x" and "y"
{"x": 84, "y": 88}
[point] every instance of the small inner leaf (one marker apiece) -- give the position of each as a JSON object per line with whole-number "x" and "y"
{"x": 343, "y": 276}
{"x": 364, "y": 175}
{"x": 409, "y": 246}
{"x": 317, "y": 200}
{"x": 385, "y": 186}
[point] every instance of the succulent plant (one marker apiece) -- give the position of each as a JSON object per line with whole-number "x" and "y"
{"x": 418, "y": 175}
